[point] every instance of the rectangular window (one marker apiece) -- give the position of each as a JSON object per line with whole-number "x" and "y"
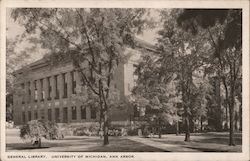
{"x": 57, "y": 115}
{"x": 23, "y": 94}
{"x": 56, "y": 87}
{"x": 73, "y": 110}
{"x": 72, "y": 73}
{"x": 65, "y": 114}
{"x": 23, "y": 116}
{"x": 29, "y": 92}
{"x": 36, "y": 115}
{"x": 42, "y": 90}
{"x": 29, "y": 115}
{"x": 65, "y": 89}
{"x": 83, "y": 112}
{"x": 49, "y": 114}
{"x": 35, "y": 88}
{"x": 93, "y": 113}
{"x": 49, "y": 88}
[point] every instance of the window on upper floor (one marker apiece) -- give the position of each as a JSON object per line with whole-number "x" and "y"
{"x": 35, "y": 91}
{"x": 65, "y": 86}
{"x": 29, "y": 92}
{"x": 56, "y": 87}
{"x": 72, "y": 73}
{"x": 23, "y": 93}
{"x": 42, "y": 90}
{"x": 49, "y": 88}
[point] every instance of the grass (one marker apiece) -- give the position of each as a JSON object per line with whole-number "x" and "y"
{"x": 203, "y": 142}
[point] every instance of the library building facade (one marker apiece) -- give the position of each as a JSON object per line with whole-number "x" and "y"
{"x": 48, "y": 90}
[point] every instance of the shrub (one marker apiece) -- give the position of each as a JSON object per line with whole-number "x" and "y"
{"x": 33, "y": 130}
{"x": 132, "y": 132}
{"x": 36, "y": 129}
{"x": 92, "y": 130}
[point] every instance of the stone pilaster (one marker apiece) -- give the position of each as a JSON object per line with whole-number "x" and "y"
{"x": 69, "y": 82}
{"x": 60, "y": 85}
{"x": 38, "y": 90}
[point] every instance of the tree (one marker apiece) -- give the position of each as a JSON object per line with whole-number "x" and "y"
{"x": 182, "y": 55}
{"x": 93, "y": 39}
{"x": 224, "y": 29}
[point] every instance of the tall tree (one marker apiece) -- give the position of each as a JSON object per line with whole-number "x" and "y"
{"x": 224, "y": 29}
{"x": 180, "y": 56}
{"x": 94, "y": 39}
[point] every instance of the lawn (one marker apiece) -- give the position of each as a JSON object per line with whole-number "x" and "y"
{"x": 77, "y": 144}
{"x": 200, "y": 142}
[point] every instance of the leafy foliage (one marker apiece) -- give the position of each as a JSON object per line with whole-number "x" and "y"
{"x": 93, "y": 39}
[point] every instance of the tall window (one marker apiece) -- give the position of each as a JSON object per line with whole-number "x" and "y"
{"x": 73, "y": 82}
{"x": 73, "y": 109}
{"x": 56, "y": 87}
{"x": 23, "y": 94}
{"x": 29, "y": 115}
{"x": 65, "y": 92}
{"x": 49, "y": 88}
{"x": 57, "y": 115}
{"x": 83, "y": 112}
{"x": 35, "y": 88}
{"x": 23, "y": 116}
{"x": 42, "y": 90}
{"x": 49, "y": 114}
{"x": 29, "y": 92}
{"x": 93, "y": 113}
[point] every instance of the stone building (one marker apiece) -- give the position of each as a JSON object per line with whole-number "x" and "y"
{"x": 47, "y": 90}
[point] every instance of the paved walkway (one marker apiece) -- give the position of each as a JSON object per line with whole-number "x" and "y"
{"x": 165, "y": 147}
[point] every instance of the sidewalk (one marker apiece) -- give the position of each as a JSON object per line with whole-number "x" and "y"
{"x": 174, "y": 143}
{"x": 165, "y": 147}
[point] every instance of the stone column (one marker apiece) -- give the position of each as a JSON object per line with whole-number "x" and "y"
{"x": 69, "y": 114}
{"x": 78, "y": 79}
{"x": 32, "y": 91}
{"x": 88, "y": 117}
{"x": 60, "y": 85}
{"x": 26, "y": 86}
{"x": 38, "y": 90}
{"x": 46, "y": 88}
{"x": 78, "y": 113}
{"x": 53, "y": 83}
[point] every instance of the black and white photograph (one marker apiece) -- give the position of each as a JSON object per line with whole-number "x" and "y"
{"x": 122, "y": 79}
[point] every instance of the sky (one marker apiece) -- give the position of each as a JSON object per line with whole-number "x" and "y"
{"x": 14, "y": 29}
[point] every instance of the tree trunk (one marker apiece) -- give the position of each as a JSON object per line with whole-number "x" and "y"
{"x": 240, "y": 115}
{"x": 187, "y": 135}
{"x": 177, "y": 127}
{"x": 159, "y": 129}
{"x": 226, "y": 124}
{"x": 39, "y": 143}
{"x": 201, "y": 124}
{"x": 105, "y": 127}
{"x": 231, "y": 125}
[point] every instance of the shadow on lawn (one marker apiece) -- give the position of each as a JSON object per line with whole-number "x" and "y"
{"x": 117, "y": 144}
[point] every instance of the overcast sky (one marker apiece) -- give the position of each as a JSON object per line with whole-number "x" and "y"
{"x": 15, "y": 29}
